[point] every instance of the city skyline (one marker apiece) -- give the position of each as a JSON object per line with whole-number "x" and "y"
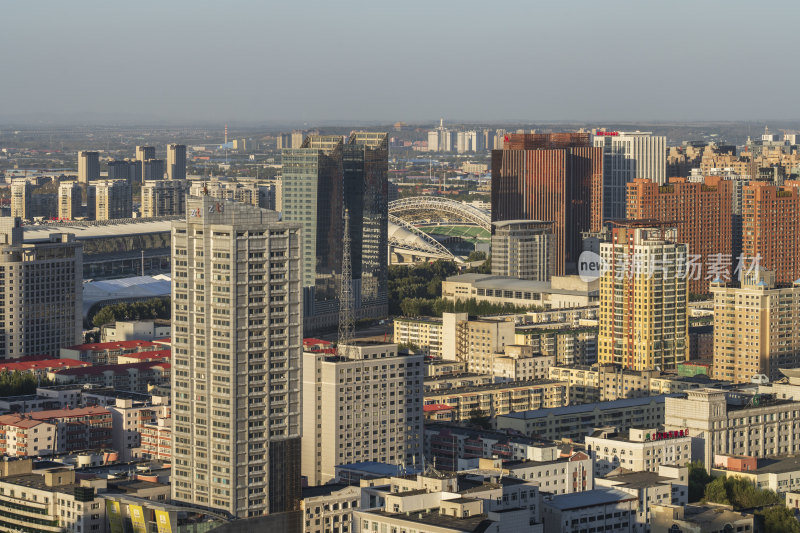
{"x": 374, "y": 267}
{"x": 228, "y": 57}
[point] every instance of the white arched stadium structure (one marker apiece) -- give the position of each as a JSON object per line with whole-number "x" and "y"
{"x": 407, "y": 243}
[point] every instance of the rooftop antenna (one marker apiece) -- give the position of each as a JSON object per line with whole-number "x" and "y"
{"x": 346, "y": 320}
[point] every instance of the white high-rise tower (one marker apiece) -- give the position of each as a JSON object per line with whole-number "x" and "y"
{"x": 236, "y": 340}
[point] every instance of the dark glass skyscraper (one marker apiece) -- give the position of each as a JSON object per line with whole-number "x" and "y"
{"x": 319, "y": 181}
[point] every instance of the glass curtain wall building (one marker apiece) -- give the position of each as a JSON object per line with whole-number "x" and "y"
{"x": 327, "y": 175}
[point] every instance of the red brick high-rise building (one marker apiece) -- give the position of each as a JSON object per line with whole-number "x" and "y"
{"x": 771, "y": 227}
{"x": 702, "y": 214}
{"x": 555, "y": 177}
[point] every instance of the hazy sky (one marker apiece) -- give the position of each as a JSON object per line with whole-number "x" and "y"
{"x": 386, "y": 60}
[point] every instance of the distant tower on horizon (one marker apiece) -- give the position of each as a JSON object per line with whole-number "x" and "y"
{"x": 176, "y": 161}
{"x": 88, "y": 166}
{"x": 226, "y": 134}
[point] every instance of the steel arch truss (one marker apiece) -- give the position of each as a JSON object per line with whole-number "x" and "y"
{"x": 425, "y": 243}
{"x": 419, "y": 207}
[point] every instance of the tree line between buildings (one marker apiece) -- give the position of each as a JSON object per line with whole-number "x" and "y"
{"x": 17, "y": 383}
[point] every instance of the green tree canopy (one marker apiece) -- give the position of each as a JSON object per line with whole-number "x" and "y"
{"x": 779, "y": 519}
{"x": 739, "y": 493}
{"x": 698, "y": 479}
{"x": 147, "y": 309}
{"x": 17, "y": 383}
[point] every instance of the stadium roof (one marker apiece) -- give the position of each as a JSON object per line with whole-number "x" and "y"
{"x": 125, "y": 289}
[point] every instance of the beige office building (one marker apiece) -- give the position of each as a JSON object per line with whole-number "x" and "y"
{"x": 366, "y": 406}
{"x": 755, "y": 327}
{"x": 559, "y": 292}
{"x": 41, "y": 298}
{"x": 523, "y": 249}
{"x": 736, "y": 423}
{"x": 88, "y": 167}
{"x": 164, "y": 197}
{"x": 113, "y": 199}
{"x": 236, "y": 342}
{"x": 638, "y": 449}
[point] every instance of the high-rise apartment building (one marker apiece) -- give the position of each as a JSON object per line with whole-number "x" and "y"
{"x": 702, "y": 214}
{"x": 283, "y": 140}
{"x": 145, "y": 153}
{"x": 469, "y": 141}
{"x": 88, "y": 167}
{"x": 27, "y": 205}
{"x": 461, "y": 142}
{"x": 164, "y": 197}
{"x": 153, "y": 169}
{"x": 176, "y": 161}
{"x": 433, "y": 141}
{"x": 319, "y": 181}
{"x": 236, "y": 341}
{"x": 771, "y": 227}
{"x": 147, "y": 166}
{"x": 70, "y": 204}
{"x": 626, "y": 156}
{"x": 754, "y": 327}
{"x": 442, "y": 139}
{"x": 124, "y": 169}
{"x": 113, "y": 199}
{"x": 21, "y": 193}
{"x": 378, "y": 420}
{"x": 556, "y": 177}
{"x": 297, "y": 138}
{"x": 643, "y": 298}
{"x": 523, "y": 249}
{"x": 41, "y": 298}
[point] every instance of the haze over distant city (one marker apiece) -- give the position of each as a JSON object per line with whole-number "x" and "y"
{"x": 296, "y": 62}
